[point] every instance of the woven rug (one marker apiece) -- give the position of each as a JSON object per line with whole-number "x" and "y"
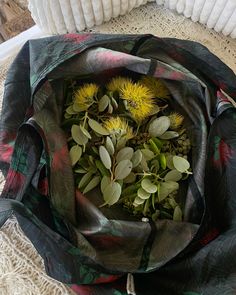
{"x": 21, "y": 268}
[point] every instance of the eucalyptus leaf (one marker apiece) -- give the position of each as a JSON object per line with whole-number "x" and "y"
{"x": 109, "y": 146}
{"x": 80, "y": 171}
{"x": 142, "y": 194}
{"x": 78, "y": 136}
{"x": 181, "y": 164}
{"x": 159, "y": 126}
{"x": 130, "y": 178}
{"x": 136, "y": 158}
{"x": 169, "y": 135}
{"x": 85, "y": 179}
{"x": 106, "y": 180}
{"x": 105, "y": 157}
{"x": 167, "y": 188}
{"x": 169, "y": 162}
{"x": 138, "y": 201}
{"x": 85, "y": 132}
{"x": 148, "y": 186}
{"x": 92, "y": 184}
{"x": 112, "y": 193}
{"x": 124, "y": 154}
{"x": 97, "y": 127}
{"x": 71, "y": 111}
{"x": 75, "y": 154}
{"x": 177, "y": 216}
{"x": 103, "y": 103}
{"x": 173, "y": 175}
{"x": 123, "y": 169}
{"x": 147, "y": 154}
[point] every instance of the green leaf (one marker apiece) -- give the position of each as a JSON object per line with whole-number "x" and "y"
{"x": 103, "y": 103}
{"x": 138, "y": 201}
{"x": 112, "y": 193}
{"x": 173, "y": 175}
{"x": 106, "y": 180}
{"x": 169, "y": 162}
{"x": 177, "y": 216}
{"x": 169, "y": 135}
{"x": 114, "y": 103}
{"x": 85, "y": 132}
{"x": 130, "y": 178}
{"x": 136, "y": 158}
{"x": 92, "y": 184}
{"x": 105, "y": 157}
{"x": 110, "y": 108}
{"x": 123, "y": 169}
{"x": 85, "y": 180}
{"x": 159, "y": 126}
{"x": 181, "y": 164}
{"x": 172, "y": 202}
{"x": 142, "y": 194}
{"x": 148, "y": 186}
{"x": 155, "y": 110}
{"x": 80, "y": 170}
{"x": 71, "y": 111}
{"x": 147, "y": 154}
{"x": 75, "y": 154}
{"x": 144, "y": 165}
{"x": 97, "y": 127}
{"x": 78, "y": 136}
{"x": 120, "y": 143}
{"x": 167, "y": 188}
{"x": 162, "y": 159}
{"x": 124, "y": 154}
{"x": 109, "y": 146}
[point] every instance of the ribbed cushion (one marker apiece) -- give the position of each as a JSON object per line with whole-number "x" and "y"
{"x": 62, "y": 16}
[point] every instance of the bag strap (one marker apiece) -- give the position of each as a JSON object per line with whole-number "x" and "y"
{"x": 25, "y": 160}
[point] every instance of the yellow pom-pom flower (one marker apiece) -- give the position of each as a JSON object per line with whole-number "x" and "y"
{"x": 176, "y": 120}
{"x": 119, "y": 127}
{"x": 84, "y": 96}
{"x": 139, "y": 100}
{"x": 117, "y": 83}
{"x": 156, "y": 86}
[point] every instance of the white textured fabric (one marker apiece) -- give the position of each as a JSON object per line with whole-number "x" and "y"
{"x": 61, "y": 16}
{"x": 21, "y": 268}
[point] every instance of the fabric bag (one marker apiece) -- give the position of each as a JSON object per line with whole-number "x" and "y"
{"x": 81, "y": 246}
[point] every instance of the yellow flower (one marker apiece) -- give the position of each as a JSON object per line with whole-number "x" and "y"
{"x": 119, "y": 127}
{"x": 156, "y": 86}
{"x": 84, "y": 96}
{"x": 176, "y": 120}
{"x": 116, "y": 83}
{"x": 139, "y": 100}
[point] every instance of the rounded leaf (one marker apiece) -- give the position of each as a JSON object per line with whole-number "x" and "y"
{"x": 124, "y": 154}
{"x": 78, "y": 136}
{"x": 148, "y": 186}
{"x": 109, "y": 146}
{"x": 167, "y": 188}
{"x": 147, "y": 154}
{"x": 159, "y": 126}
{"x": 177, "y": 216}
{"x": 173, "y": 175}
{"x": 106, "y": 180}
{"x": 136, "y": 158}
{"x": 97, "y": 127}
{"x": 85, "y": 132}
{"x": 180, "y": 164}
{"x": 112, "y": 193}
{"x": 169, "y": 135}
{"x": 103, "y": 103}
{"x": 130, "y": 178}
{"x": 142, "y": 194}
{"x": 75, "y": 154}
{"x": 123, "y": 169}
{"x": 92, "y": 184}
{"x": 105, "y": 157}
{"x": 70, "y": 110}
{"x": 169, "y": 162}
{"x": 138, "y": 201}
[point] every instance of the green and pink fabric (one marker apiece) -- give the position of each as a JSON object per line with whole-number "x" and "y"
{"x": 82, "y": 246}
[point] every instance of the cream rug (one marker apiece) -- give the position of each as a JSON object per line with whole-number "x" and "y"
{"x": 21, "y": 268}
